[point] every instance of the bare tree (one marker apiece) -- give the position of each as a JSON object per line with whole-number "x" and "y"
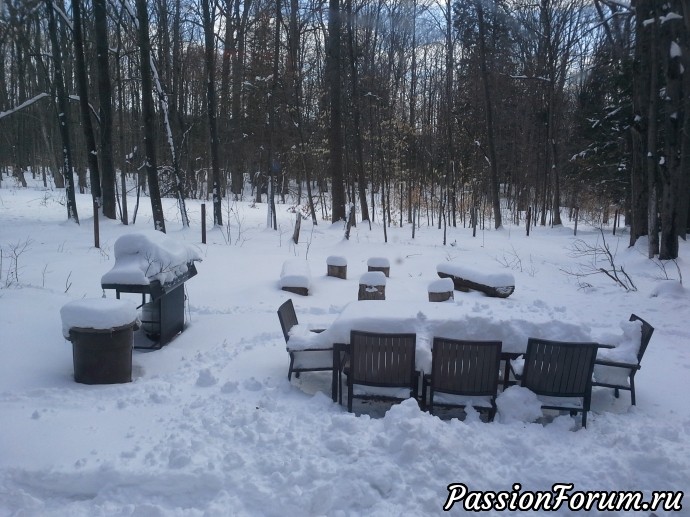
{"x": 63, "y": 115}
{"x": 148, "y": 113}
{"x": 335, "y": 133}
{"x": 209, "y": 55}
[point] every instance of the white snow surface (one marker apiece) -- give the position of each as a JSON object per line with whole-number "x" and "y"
{"x": 97, "y": 313}
{"x": 210, "y": 425}
{"x": 485, "y": 274}
{"x": 146, "y": 255}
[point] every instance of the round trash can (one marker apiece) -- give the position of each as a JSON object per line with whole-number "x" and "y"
{"x": 102, "y": 356}
{"x": 101, "y": 332}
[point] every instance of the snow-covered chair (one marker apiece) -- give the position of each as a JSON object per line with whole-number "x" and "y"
{"x": 382, "y": 365}
{"x": 463, "y": 373}
{"x": 560, "y": 374}
{"x": 302, "y": 357}
{"x": 622, "y": 377}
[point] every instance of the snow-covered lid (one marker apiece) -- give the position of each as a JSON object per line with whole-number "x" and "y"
{"x": 442, "y": 285}
{"x": 336, "y": 260}
{"x": 484, "y": 274}
{"x": 97, "y": 313}
{"x": 378, "y": 262}
{"x": 373, "y": 278}
{"x": 144, "y": 256}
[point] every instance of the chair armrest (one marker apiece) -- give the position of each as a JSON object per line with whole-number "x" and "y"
{"x": 601, "y": 345}
{"x": 509, "y": 363}
{"x": 604, "y": 362}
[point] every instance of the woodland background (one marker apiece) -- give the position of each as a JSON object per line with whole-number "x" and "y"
{"x": 429, "y": 112}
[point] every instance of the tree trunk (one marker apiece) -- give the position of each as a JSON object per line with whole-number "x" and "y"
{"x": 354, "y": 79}
{"x": 212, "y": 122}
{"x": 107, "y": 168}
{"x": 495, "y": 199}
{"x": 82, "y": 89}
{"x": 148, "y": 114}
{"x": 652, "y": 139}
{"x": 335, "y": 133}
{"x": 63, "y": 116}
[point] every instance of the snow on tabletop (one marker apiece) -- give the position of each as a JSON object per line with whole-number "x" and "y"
{"x": 442, "y": 285}
{"x": 480, "y": 274}
{"x": 335, "y": 260}
{"x": 97, "y": 313}
{"x": 295, "y": 273}
{"x": 373, "y": 278}
{"x": 378, "y": 262}
{"x": 144, "y": 256}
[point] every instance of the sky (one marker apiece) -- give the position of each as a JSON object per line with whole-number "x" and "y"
{"x": 210, "y": 424}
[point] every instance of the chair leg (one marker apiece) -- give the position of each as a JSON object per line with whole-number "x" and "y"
{"x": 632, "y": 390}
{"x": 492, "y": 411}
{"x": 350, "y": 392}
{"x": 292, "y": 362}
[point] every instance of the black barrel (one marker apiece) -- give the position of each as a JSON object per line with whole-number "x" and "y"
{"x": 102, "y": 356}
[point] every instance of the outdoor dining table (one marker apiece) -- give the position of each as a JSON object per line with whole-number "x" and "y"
{"x": 510, "y": 323}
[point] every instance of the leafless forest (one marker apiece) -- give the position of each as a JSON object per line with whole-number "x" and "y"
{"x": 426, "y": 111}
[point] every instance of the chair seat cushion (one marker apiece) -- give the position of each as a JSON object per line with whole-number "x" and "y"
{"x": 462, "y": 400}
{"x": 312, "y": 359}
{"x": 303, "y": 337}
{"x": 564, "y": 402}
{"x": 612, "y": 375}
{"x": 379, "y": 391}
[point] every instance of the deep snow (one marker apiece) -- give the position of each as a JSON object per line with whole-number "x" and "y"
{"x": 210, "y": 424}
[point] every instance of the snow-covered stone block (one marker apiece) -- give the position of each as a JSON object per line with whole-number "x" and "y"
{"x": 379, "y": 264}
{"x": 372, "y": 286}
{"x": 441, "y": 290}
{"x": 337, "y": 266}
{"x": 295, "y": 276}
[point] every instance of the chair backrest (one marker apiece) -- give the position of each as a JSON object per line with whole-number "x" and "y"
{"x": 287, "y": 317}
{"x": 379, "y": 359}
{"x": 647, "y": 331}
{"x": 559, "y": 368}
{"x": 465, "y": 367}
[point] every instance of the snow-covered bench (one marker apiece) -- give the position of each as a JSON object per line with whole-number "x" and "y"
{"x": 499, "y": 284}
{"x": 295, "y": 277}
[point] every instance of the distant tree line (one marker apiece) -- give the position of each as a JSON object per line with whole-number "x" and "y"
{"x": 449, "y": 113}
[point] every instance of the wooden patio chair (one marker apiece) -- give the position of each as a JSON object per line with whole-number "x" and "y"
{"x": 466, "y": 370}
{"x": 380, "y": 362}
{"x": 560, "y": 371}
{"x": 632, "y": 368}
{"x": 309, "y": 360}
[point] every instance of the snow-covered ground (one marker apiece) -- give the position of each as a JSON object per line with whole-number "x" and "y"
{"x": 211, "y": 426}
